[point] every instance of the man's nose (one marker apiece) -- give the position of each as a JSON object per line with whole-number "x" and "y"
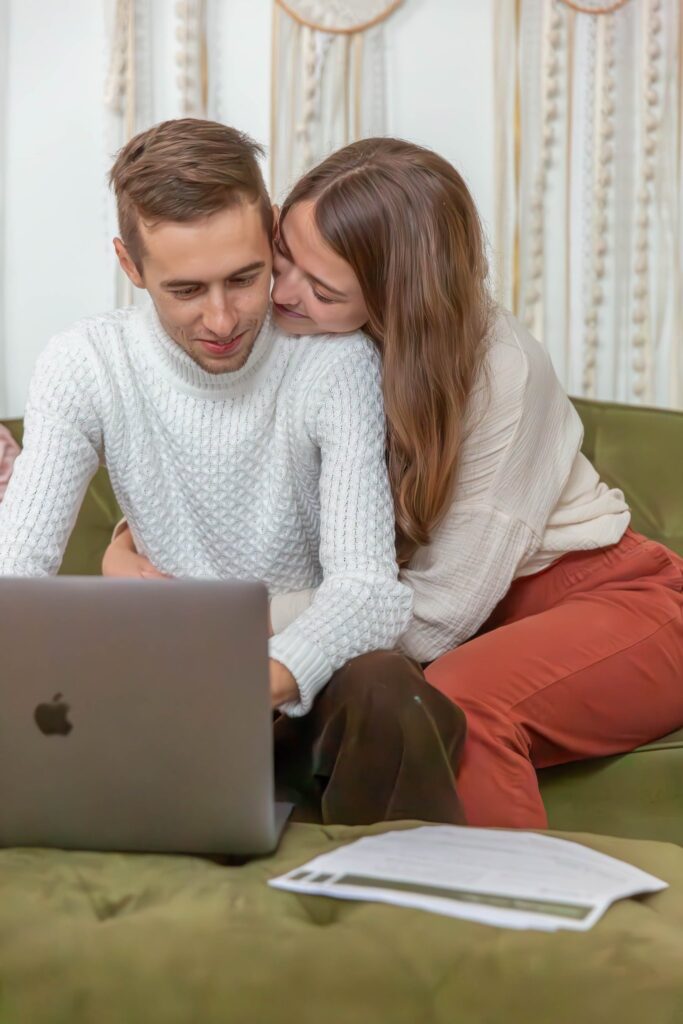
{"x": 220, "y": 317}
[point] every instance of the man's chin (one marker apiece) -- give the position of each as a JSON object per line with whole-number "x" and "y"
{"x": 226, "y": 365}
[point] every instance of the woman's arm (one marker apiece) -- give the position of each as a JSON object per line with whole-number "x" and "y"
{"x": 9, "y": 449}
{"x": 122, "y": 559}
{"x": 286, "y": 608}
{"x": 517, "y": 455}
{"x": 461, "y": 576}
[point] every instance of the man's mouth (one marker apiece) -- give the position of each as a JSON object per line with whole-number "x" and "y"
{"x": 222, "y": 348}
{"x": 283, "y": 311}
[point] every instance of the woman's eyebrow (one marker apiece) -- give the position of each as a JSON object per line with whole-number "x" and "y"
{"x": 288, "y": 252}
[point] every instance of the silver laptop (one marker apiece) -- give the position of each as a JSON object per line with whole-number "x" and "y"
{"x": 135, "y": 715}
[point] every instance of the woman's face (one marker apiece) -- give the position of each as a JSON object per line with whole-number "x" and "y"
{"x": 315, "y": 291}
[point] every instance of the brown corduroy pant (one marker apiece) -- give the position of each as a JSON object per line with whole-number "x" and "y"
{"x": 379, "y": 744}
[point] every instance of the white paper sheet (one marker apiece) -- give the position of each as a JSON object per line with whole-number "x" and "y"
{"x": 506, "y": 878}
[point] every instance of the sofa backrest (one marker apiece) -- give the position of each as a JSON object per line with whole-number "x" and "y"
{"x": 637, "y": 449}
{"x": 640, "y": 450}
{"x": 97, "y": 518}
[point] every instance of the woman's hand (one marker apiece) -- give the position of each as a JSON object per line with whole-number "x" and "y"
{"x": 122, "y": 559}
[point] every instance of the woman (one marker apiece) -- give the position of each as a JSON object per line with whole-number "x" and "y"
{"x": 9, "y": 449}
{"x": 555, "y": 627}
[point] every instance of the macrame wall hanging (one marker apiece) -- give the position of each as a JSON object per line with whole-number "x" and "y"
{"x": 328, "y": 80}
{"x": 135, "y": 83}
{"x": 192, "y": 57}
{"x": 127, "y": 98}
{"x": 587, "y": 234}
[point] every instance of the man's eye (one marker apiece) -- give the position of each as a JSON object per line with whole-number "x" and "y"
{"x": 184, "y": 293}
{"x": 244, "y": 282}
{"x": 321, "y": 298}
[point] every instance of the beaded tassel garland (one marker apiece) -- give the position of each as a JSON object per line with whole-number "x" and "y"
{"x": 589, "y": 167}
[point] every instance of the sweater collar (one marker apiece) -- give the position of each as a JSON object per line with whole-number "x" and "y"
{"x": 182, "y": 373}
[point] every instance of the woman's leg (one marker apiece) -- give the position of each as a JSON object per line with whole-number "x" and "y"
{"x": 379, "y": 744}
{"x": 594, "y": 667}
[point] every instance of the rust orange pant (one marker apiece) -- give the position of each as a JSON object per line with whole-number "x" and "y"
{"x": 584, "y": 659}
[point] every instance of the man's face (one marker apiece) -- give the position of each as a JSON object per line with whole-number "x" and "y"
{"x": 209, "y": 280}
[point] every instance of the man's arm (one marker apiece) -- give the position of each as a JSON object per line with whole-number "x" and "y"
{"x": 61, "y": 452}
{"x": 360, "y": 605}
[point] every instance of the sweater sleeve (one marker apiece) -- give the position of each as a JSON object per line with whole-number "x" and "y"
{"x": 360, "y": 605}
{"x": 459, "y": 579}
{"x": 61, "y": 452}
{"x": 520, "y": 444}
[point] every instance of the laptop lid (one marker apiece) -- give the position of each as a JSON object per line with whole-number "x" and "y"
{"x": 135, "y": 715}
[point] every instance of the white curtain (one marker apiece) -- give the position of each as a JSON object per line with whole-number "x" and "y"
{"x": 587, "y": 238}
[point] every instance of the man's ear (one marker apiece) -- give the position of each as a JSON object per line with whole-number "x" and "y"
{"x": 127, "y": 264}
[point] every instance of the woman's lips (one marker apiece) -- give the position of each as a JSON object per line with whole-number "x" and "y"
{"x": 283, "y": 311}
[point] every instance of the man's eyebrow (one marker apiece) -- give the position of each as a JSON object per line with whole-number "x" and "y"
{"x": 181, "y": 283}
{"x": 327, "y": 287}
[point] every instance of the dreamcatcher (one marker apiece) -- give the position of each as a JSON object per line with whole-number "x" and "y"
{"x": 328, "y": 80}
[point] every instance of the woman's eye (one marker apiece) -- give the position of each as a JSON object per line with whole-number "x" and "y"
{"x": 321, "y": 298}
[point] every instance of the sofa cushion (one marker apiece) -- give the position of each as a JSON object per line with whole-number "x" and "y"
{"x": 105, "y": 938}
{"x": 637, "y": 794}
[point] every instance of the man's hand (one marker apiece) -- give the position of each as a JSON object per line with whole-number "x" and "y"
{"x": 283, "y": 688}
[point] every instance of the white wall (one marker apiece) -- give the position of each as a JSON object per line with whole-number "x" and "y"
{"x": 440, "y": 86}
{"x": 58, "y": 259}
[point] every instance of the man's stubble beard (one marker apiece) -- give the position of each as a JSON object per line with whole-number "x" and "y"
{"x": 214, "y": 368}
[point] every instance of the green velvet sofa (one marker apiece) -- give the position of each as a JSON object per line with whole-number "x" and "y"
{"x": 639, "y": 450}
{"x": 97, "y": 938}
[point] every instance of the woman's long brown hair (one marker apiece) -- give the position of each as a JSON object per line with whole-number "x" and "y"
{"x": 404, "y": 220}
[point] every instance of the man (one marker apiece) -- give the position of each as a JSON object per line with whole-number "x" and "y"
{"x": 235, "y": 451}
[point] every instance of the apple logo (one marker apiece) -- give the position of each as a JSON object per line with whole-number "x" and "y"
{"x": 53, "y": 719}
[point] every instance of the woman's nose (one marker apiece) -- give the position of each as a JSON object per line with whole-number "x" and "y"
{"x": 285, "y": 290}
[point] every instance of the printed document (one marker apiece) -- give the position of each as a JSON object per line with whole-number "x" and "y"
{"x": 498, "y": 877}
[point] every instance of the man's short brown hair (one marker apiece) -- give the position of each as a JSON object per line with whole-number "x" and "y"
{"x": 183, "y": 170}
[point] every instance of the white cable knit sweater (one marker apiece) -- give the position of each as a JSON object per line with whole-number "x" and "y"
{"x": 275, "y": 472}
